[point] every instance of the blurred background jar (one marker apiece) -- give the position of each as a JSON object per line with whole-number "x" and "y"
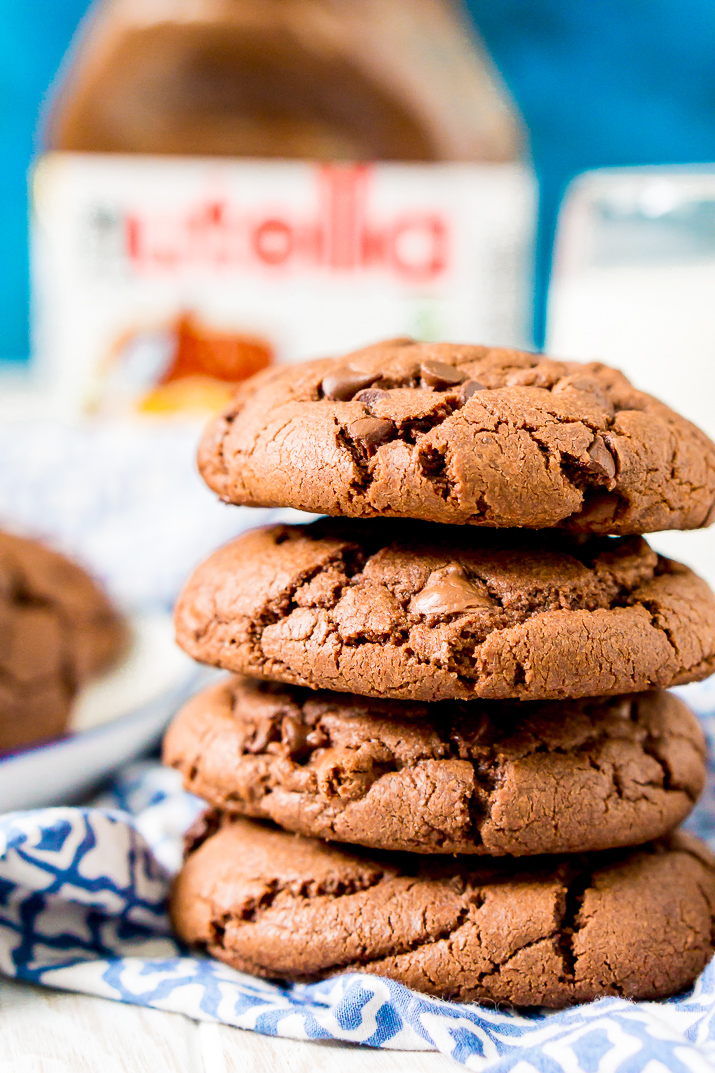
{"x": 168, "y": 264}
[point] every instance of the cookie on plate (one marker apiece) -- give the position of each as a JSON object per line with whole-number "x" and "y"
{"x": 462, "y": 434}
{"x": 57, "y": 629}
{"x": 490, "y": 777}
{"x": 425, "y": 612}
{"x": 548, "y": 932}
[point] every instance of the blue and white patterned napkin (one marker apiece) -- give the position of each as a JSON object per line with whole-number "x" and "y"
{"x": 82, "y": 907}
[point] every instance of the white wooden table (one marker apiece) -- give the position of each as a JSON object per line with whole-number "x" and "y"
{"x": 45, "y": 1031}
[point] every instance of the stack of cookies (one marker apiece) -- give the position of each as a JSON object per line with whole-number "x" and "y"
{"x": 447, "y": 756}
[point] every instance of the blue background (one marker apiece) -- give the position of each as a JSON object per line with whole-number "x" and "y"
{"x": 34, "y": 35}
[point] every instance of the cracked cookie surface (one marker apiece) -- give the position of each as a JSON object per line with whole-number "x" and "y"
{"x": 57, "y": 628}
{"x": 463, "y": 435}
{"x": 482, "y": 777}
{"x": 422, "y": 612}
{"x": 548, "y": 932}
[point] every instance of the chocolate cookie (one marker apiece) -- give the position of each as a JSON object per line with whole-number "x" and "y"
{"x": 462, "y": 434}
{"x": 489, "y": 777}
{"x": 555, "y": 931}
{"x": 57, "y": 628}
{"x": 421, "y": 612}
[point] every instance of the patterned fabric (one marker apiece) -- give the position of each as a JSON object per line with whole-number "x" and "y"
{"x": 82, "y": 907}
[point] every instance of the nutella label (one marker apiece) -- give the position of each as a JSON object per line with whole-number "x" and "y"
{"x": 160, "y": 283}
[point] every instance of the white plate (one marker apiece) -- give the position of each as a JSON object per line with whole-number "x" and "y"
{"x": 115, "y": 719}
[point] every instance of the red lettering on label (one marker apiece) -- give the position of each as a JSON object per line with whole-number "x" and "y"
{"x": 272, "y": 242}
{"x": 133, "y": 246}
{"x": 343, "y": 235}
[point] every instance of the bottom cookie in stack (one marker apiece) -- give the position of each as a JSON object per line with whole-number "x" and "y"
{"x": 497, "y": 778}
{"x": 543, "y": 932}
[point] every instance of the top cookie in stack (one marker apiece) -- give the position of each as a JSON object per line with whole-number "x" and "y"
{"x": 412, "y": 626}
{"x": 463, "y": 435}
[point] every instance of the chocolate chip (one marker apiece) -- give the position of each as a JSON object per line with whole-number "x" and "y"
{"x": 343, "y": 384}
{"x": 266, "y": 731}
{"x": 449, "y": 590}
{"x": 370, "y": 396}
{"x": 372, "y": 431}
{"x": 602, "y": 462}
{"x": 469, "y": 388}
{"x": 439, "y": 375}
{"x": 294, "y": 735}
